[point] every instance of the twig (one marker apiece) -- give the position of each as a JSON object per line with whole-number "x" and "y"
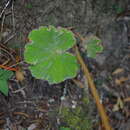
{"x": 12, "y": 57}
{"x": 13, "y": 21}
{"x": 94, "y": 92}
{"x": 19, "y": 90}
{"x": 14, "y": 65}
{"x": 6, "y": 48}
{"x": 2, "y": 15}
{"x": 78, "y": 83}
{"x": 6, "y": 5}
{"x": 12, "y": 36}
{"x": 2, "y": 24}
{"x": 80, "y": 36}
{"x": 8, "y": 68}
{"x": 21, "y": 113}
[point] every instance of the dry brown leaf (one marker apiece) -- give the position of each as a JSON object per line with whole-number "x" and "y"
{"x": 117, "y": 71}
{"x": 2, "y": 122}
{"x": 19, "y": 75}
{"x": 127, "y": 99}
{"x": 121, "y": 80}
{"x": 118, "y": 105}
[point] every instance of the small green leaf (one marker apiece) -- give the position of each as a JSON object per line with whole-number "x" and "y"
{"x": 29, "y": 6}
{"x": 48, "y": 54}
{"x": 93, "y": 46}
{"x": 117, "y": 8}
{"x": 4, "y": 76}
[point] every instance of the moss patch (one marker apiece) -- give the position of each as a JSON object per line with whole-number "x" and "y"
{"x": 77, "y": 119}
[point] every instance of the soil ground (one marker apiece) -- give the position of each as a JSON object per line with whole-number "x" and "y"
{"x": 34, "y": 104}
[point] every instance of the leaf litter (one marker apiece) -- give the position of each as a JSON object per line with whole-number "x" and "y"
{"x": 38, "y": 92}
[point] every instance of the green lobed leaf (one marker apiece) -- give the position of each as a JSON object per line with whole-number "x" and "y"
{"x": 93, "y": 46}
{"x": 4, "y": 76}
{"x": 48, "y": 54}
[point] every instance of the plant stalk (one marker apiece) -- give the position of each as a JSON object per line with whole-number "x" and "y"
{"x": 93, "y": 90}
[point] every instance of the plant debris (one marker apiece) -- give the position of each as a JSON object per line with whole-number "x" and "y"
{"x": 32, "y": 103}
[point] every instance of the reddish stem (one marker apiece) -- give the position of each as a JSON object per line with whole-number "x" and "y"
{"x": 8, "y": 68}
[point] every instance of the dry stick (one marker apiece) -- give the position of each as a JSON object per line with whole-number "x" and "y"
{"x": 78, "y": 83}
{"x": 94, "y": 92}
{"x": 5, "y": 42}
{"x": 22, "y": 114}
{"x": 6, "y": 5}
{"x": 12, "y": 57}
{"x": 12, "y": 8}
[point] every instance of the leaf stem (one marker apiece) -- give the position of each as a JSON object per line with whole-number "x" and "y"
{"x": 8, "y": 68}
{"x": 94, "y": 92}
